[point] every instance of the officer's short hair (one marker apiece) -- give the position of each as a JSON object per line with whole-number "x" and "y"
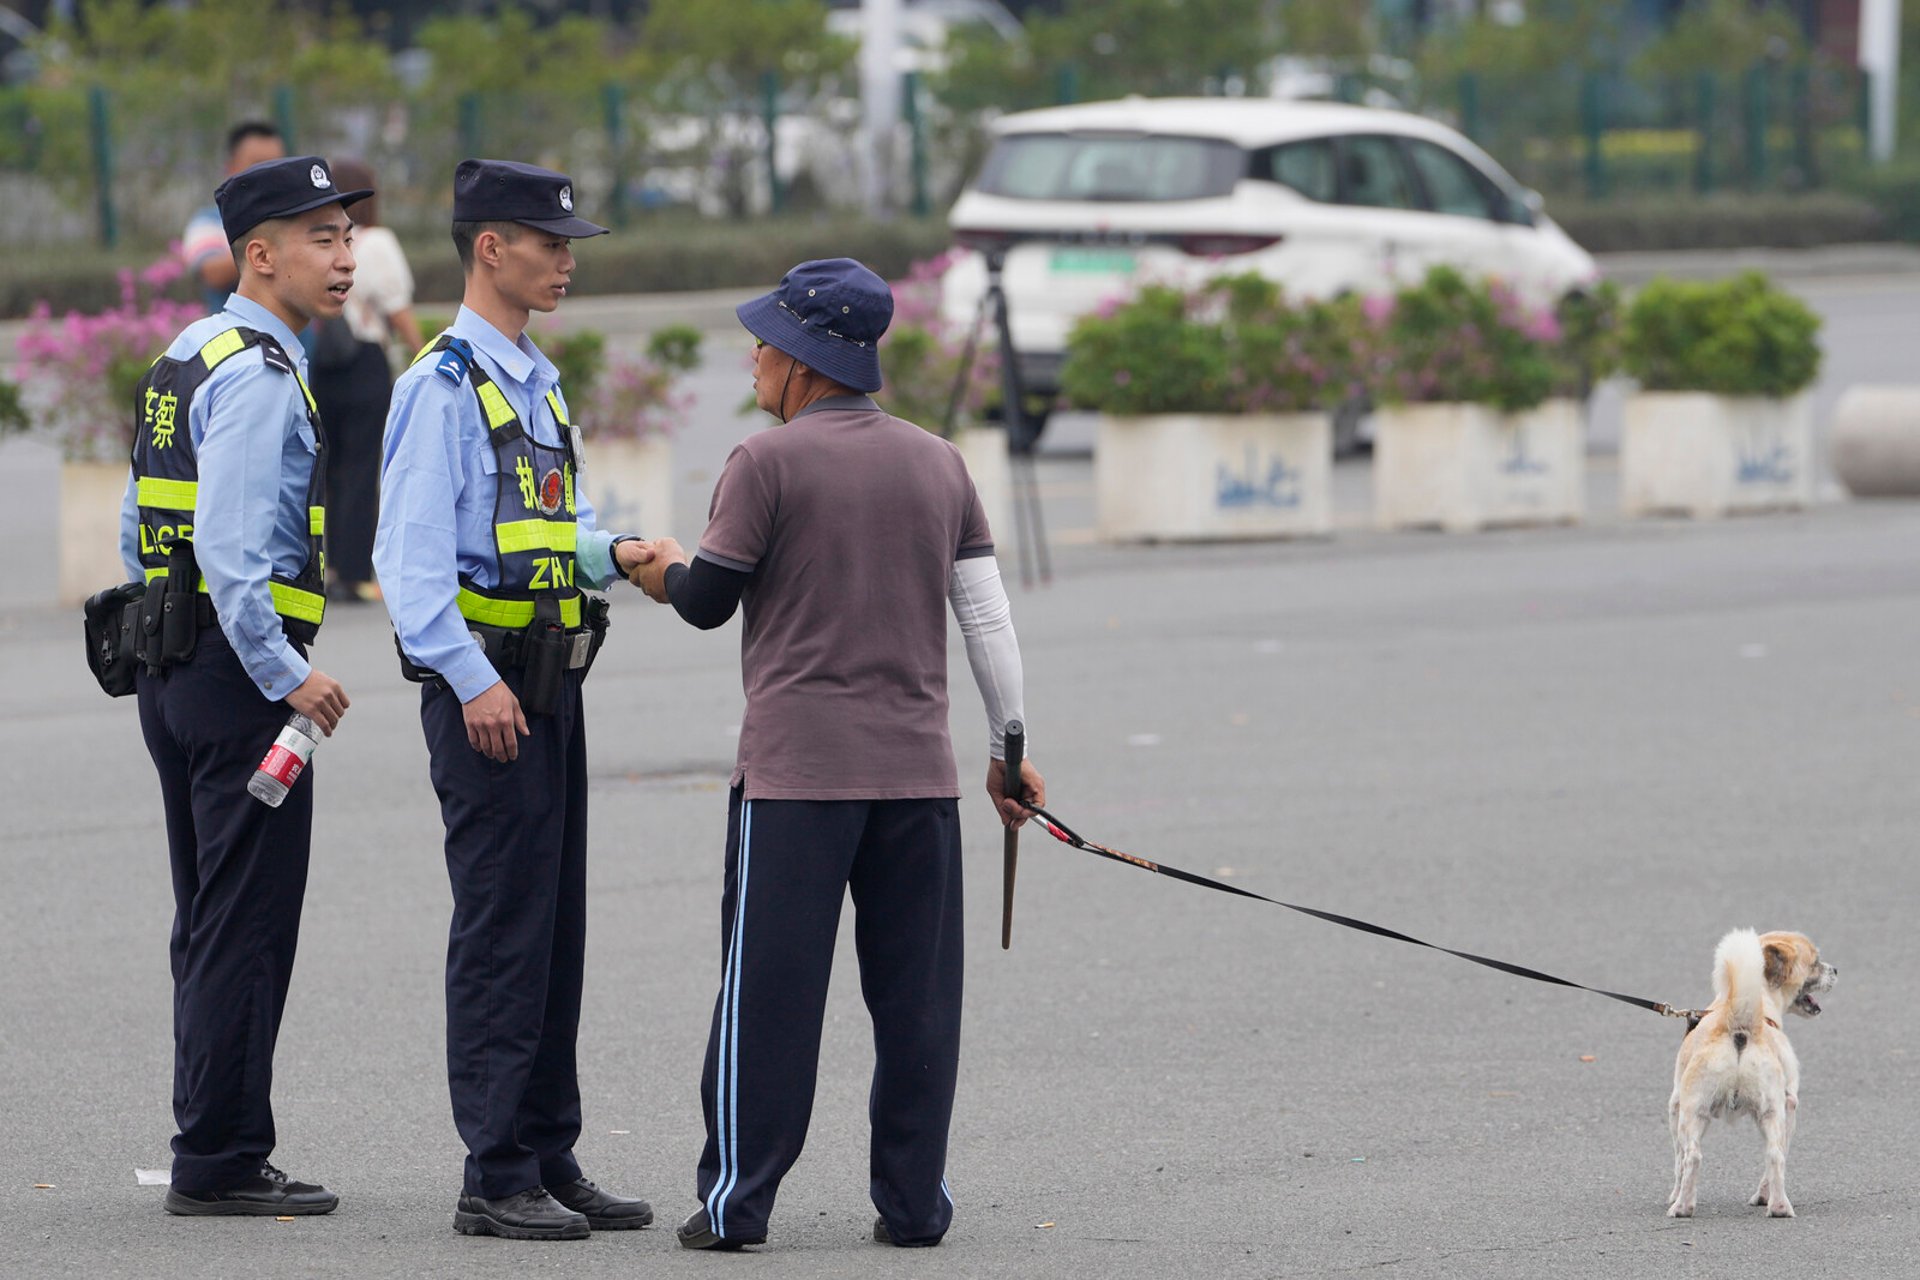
{"x": 247, "y": 129}
{"x": 465, "y": 233}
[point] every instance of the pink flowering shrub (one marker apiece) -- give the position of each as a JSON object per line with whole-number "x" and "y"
{"x": 636, "y": 398}
{"x": 921, "y": 355}
{"x": 1452, "y": 339}
{"x": 79, "y": 372}
{"x": 1235, "y": 345}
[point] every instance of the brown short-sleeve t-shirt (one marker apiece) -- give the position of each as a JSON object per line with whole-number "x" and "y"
{"x": 849, "y": 521}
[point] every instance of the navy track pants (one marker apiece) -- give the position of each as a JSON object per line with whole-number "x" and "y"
{"x": 789, "y": 865}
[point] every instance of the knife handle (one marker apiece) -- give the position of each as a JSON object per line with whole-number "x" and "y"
{"x": 1016, "y": 735}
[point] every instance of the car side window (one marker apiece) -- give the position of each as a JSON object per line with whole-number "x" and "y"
{"x": 1306, "y": 167}
{"x": 1453, "y": 186}
{"x": 1372, "y": 174}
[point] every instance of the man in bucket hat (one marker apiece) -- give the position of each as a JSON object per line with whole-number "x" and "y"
{"x": 485, "y": 540}
{"x": 843, "y": 536}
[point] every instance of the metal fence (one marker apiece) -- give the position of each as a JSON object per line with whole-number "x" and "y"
{"x": 120, "y": 167}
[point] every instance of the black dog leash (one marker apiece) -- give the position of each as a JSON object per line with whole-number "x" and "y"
{"x": 1067, "y": 835}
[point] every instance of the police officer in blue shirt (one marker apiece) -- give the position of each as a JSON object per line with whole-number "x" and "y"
{"x": 485, "y": 541}
{"x": 222, "y": 519}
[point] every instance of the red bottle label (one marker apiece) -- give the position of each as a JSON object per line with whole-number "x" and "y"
{"x": 282, "y": 765}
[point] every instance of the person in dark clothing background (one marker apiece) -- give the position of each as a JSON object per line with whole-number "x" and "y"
{"x": 353, "y": 385}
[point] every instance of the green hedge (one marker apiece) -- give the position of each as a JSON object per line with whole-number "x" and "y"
{"x": 1722, "y": 222}
{"x": 647, "y": 257}
{"x": 1895, "y": 190}
{"x": 678, "y": 254}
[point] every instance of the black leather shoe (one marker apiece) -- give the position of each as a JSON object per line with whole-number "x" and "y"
{"x": 697, "y": 1233}
{"x": 525, "y": 1215}
{"x": 268, "y": 1194}
{"x": 881, "y": 1235}
{"x": 603, "y": 1210}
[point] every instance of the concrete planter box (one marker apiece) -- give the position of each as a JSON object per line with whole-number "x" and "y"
{"x": 630, "y": 483}
{"x": 90, "y": 495}
{"x": 985, "y": 452}
{"x": 1462, "y": 467}
{"x": 1697, "y": 454}
{"x": 1201, "y": 477}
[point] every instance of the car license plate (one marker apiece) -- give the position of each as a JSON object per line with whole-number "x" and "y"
{"x": 1117, "y": 261}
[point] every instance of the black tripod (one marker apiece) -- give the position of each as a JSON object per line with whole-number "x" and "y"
{"x": 1023, "y": 433}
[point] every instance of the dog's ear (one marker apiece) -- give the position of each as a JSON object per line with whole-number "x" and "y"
{"x": 1779, "y": 960}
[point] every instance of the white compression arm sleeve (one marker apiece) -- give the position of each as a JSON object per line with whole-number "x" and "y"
{"x": 979, "y": 601}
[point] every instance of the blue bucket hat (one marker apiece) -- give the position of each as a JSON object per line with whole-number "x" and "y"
{"x": 828, "y": 315}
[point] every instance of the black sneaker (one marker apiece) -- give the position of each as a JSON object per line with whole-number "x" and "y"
{"x": 268, "y": 1194}
{"x": 881, "y": 1235}
{"x": 697, "y": 1233}
{"x": 525, "y": 1215}
{"x": 603, "y": 1210}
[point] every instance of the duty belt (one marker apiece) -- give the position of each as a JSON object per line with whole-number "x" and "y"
{"x": 507, "y": 647}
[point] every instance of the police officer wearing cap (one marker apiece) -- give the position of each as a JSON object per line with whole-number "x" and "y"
{"x": 844, "y": 536}
{"x": 486, "y": 538}
{"x": 222, "y": 520}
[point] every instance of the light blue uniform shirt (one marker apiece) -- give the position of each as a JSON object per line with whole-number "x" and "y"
{"x": 256, "y": 455}
{"x": 438, "y": 484}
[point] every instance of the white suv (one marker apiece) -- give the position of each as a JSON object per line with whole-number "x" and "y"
{"x": 1084, "y": 203}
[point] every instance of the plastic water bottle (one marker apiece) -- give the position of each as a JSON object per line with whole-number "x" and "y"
{"x": 286, "y": 758}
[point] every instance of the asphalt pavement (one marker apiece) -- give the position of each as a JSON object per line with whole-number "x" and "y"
{"x": 1588, "y": 750}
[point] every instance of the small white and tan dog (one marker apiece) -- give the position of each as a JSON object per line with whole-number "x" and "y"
{"x": 1738, "y": 1059}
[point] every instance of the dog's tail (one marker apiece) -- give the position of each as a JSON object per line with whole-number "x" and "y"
{"x": 1739, "y": 977}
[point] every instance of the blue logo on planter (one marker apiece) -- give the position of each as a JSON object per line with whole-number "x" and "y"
{"x": 1276, "y": 486}
{"x": 1517, "y": 462}
{"x": 1766, "y": 466}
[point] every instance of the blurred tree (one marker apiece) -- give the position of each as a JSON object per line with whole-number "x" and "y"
{"x": 1160, "y": 47}
{"x": 1558, "y": 37}
{"x": 712, "y": 62}
{"x": 1327, "y": 28}
{"x": 1727, "y": 36}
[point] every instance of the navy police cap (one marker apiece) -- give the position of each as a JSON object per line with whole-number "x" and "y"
{"x": 278, "y": 189}
{"x": 507, "y": 191}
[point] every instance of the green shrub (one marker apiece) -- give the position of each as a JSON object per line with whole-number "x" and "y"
{"x": 580, "y": 357}
{"x": 1233, "y": 346}
{"x": 1590, "y": 333}
{"x": 1736, "y": 337}
{"x": 13, "y": 412}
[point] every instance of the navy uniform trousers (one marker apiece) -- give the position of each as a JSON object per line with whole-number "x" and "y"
{"x": 517, "y": 858}
{"x": 239, "y": 876}
{"x": 789, "y": 865}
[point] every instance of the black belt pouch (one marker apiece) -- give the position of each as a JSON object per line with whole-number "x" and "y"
{"x": 597, "y": 610}
{"x": 110, "y": 621}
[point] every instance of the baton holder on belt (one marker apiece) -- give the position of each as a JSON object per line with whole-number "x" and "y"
{"x": 546, "y": 648}
{"x": 170, "y": 617}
